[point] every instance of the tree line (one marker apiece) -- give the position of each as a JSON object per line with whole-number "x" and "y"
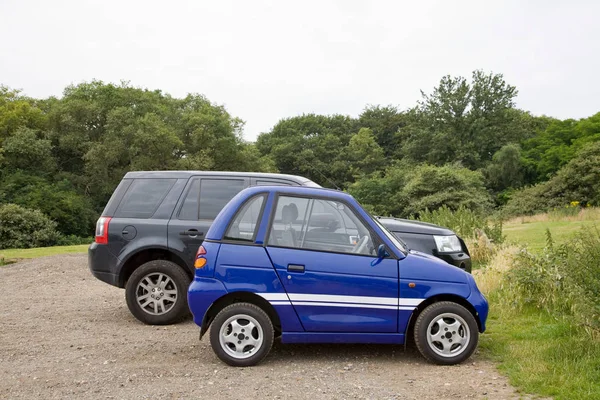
{"x": 464, "y": 144}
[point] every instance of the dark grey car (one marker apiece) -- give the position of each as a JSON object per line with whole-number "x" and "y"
{"x": 154, "y": 223}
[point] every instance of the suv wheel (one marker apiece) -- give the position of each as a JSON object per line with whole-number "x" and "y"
{"x": 156, "y": 292}
{"x": 446, "y": 333}
{"x": 241, "y": 334}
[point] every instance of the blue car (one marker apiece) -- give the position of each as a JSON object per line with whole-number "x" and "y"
{"x": 310, "y": 265}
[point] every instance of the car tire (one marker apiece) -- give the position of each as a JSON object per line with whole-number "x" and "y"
{"x": 446, "y": 333}
{"x": 156, "y": 293}
{"x": 246, "y": 320}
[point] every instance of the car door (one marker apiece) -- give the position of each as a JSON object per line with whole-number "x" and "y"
{"x": 324, "y": 254}
{"x": 203, "y": 198}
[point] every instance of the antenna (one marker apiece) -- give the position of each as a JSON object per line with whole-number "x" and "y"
{"x": 325, "y": 176}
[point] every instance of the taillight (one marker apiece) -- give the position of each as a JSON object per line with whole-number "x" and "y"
{"x": 200, "y": 260}
{"x": 102, "y": 230}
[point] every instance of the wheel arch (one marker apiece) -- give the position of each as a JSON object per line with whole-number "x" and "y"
{"x": 240, "y": 297}
{"x": 435, "y": 299}
{"x": 142, "y": 256}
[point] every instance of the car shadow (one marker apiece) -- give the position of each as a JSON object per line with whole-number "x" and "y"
{"x": 343, "y": 352}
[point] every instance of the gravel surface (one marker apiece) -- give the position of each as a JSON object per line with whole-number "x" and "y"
{"x": 67, "y": 335}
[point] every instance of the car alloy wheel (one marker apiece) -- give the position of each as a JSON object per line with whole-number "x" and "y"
{"x": 156, "y": 293}
{"x": 448, "y": 335}
{"x": 241, "y": 336}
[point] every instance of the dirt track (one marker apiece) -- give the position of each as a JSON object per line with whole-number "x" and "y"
{"x": 67, "y": 335}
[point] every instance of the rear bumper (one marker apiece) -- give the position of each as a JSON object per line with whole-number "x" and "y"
{"x": 202, "y": 293}
{"x": 103, "y": 264}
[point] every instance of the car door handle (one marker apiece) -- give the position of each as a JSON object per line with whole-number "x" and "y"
{"x": 295, "y": 268}
{"x": 192, "y": 233}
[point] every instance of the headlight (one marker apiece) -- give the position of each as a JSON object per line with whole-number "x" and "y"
{"x": 447, "y": 244}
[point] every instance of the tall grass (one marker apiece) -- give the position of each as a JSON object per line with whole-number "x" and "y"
{"x": 544, "y": 313}
{"x": 466, "y": 223}
{"x": 563, "y": 280}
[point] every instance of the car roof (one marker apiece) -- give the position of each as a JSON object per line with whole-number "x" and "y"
{"x": 187, "y": 174}
{"x": 298, "y": 191}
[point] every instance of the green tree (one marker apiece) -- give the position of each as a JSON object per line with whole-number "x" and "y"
{"x": 24, "y": 150}
{"x": 18, "y": 111}
{"x": 557, "y": 144}
{"x": 311, "y": 145}
{"x": 464, "y": 122}
{"x": 506, "y": 169}
{"x": 364, "y": 154}
{"x": 384, "y": 122}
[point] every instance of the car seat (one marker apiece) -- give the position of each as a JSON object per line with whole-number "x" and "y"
{"x": 289, "y": 214}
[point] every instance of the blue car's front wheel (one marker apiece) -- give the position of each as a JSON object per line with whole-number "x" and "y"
{"x": 241, "y": 334}
{"x": 446, "y": 333}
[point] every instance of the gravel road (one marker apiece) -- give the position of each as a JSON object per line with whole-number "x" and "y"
{"x": 67, "y": 335}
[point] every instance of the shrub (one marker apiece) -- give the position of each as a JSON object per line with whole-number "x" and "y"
{"x": 407, "y": 189}
{"x": 24, "y": 228}
{"x": 71, "y": 240}
{"x": 564, "y": 279}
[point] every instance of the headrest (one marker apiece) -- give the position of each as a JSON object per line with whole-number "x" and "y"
{"x": 289, "y": 213}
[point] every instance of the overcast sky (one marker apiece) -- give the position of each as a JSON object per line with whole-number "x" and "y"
{"x": 270, "y": 60}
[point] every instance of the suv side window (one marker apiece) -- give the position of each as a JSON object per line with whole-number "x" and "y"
{"x": 245, "y": 223}
{"x": 189, "y": 209}
{"x": 215, "y": 194}
{"x": 143, "y": 197}
{"x": 317, "y": 224}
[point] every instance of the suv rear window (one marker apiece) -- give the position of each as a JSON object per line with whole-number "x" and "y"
{"x": 143, "y": 198}
{"x": 216, "y": 193}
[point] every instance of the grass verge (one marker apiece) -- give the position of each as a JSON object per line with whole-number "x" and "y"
{"x": 10, "y": 255}
{"x": 543, "y": 354}
{"x": 530, "y": 231}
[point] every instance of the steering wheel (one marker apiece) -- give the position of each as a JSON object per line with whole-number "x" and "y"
{"x": 361, "y": 245}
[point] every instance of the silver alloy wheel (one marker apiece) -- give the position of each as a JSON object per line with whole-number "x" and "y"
{"x": 448, "y": 335}
{"x": 156, "y": 293}
{"x": 241, "y": 336}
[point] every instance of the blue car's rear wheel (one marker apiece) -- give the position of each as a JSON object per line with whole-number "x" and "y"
{"x": 446, "y": 333}
{"x": 241, "y": 334}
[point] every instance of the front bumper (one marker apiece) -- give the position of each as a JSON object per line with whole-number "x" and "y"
{"x": 461, "y": 260}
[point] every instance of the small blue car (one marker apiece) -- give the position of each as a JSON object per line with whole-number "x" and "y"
{"x": 311, "y": 265}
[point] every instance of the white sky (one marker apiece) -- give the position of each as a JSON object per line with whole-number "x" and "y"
{"x": 267, "y": 60}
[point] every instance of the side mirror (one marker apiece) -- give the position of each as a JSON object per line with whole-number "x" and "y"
{"x": 382, "y": 252}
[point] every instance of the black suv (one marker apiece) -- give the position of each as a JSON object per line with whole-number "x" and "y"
{"x": 154, "y": 223}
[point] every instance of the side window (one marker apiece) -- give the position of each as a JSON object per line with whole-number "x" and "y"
{"x": 245, "y": 223}
{"x": 216, "y": 193}
{"x": 189, "y": 209}
{"x": 272, "y": 183}
{"x": 143, "y": 198}
{"x": 318, "y": 224}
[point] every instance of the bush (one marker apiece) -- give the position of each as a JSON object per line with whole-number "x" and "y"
{"x": 563, "y": 280}
{"x": 72, "y": 240}
{"x": 24, "y": 228}
{"x": 407, "y": 189}
{"x": 578, "y": 181}
{"x": 466, "y": 223}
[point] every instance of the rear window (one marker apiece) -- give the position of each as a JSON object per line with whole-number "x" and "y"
{"x": 216, "y": 193}
{"x": 143, "y": 197}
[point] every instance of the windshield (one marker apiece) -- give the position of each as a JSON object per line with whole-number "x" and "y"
{"x": 399, "y": 244}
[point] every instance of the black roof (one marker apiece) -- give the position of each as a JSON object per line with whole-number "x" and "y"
{"x": 187, "y": 174}
{"x": 410, "y": 226}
